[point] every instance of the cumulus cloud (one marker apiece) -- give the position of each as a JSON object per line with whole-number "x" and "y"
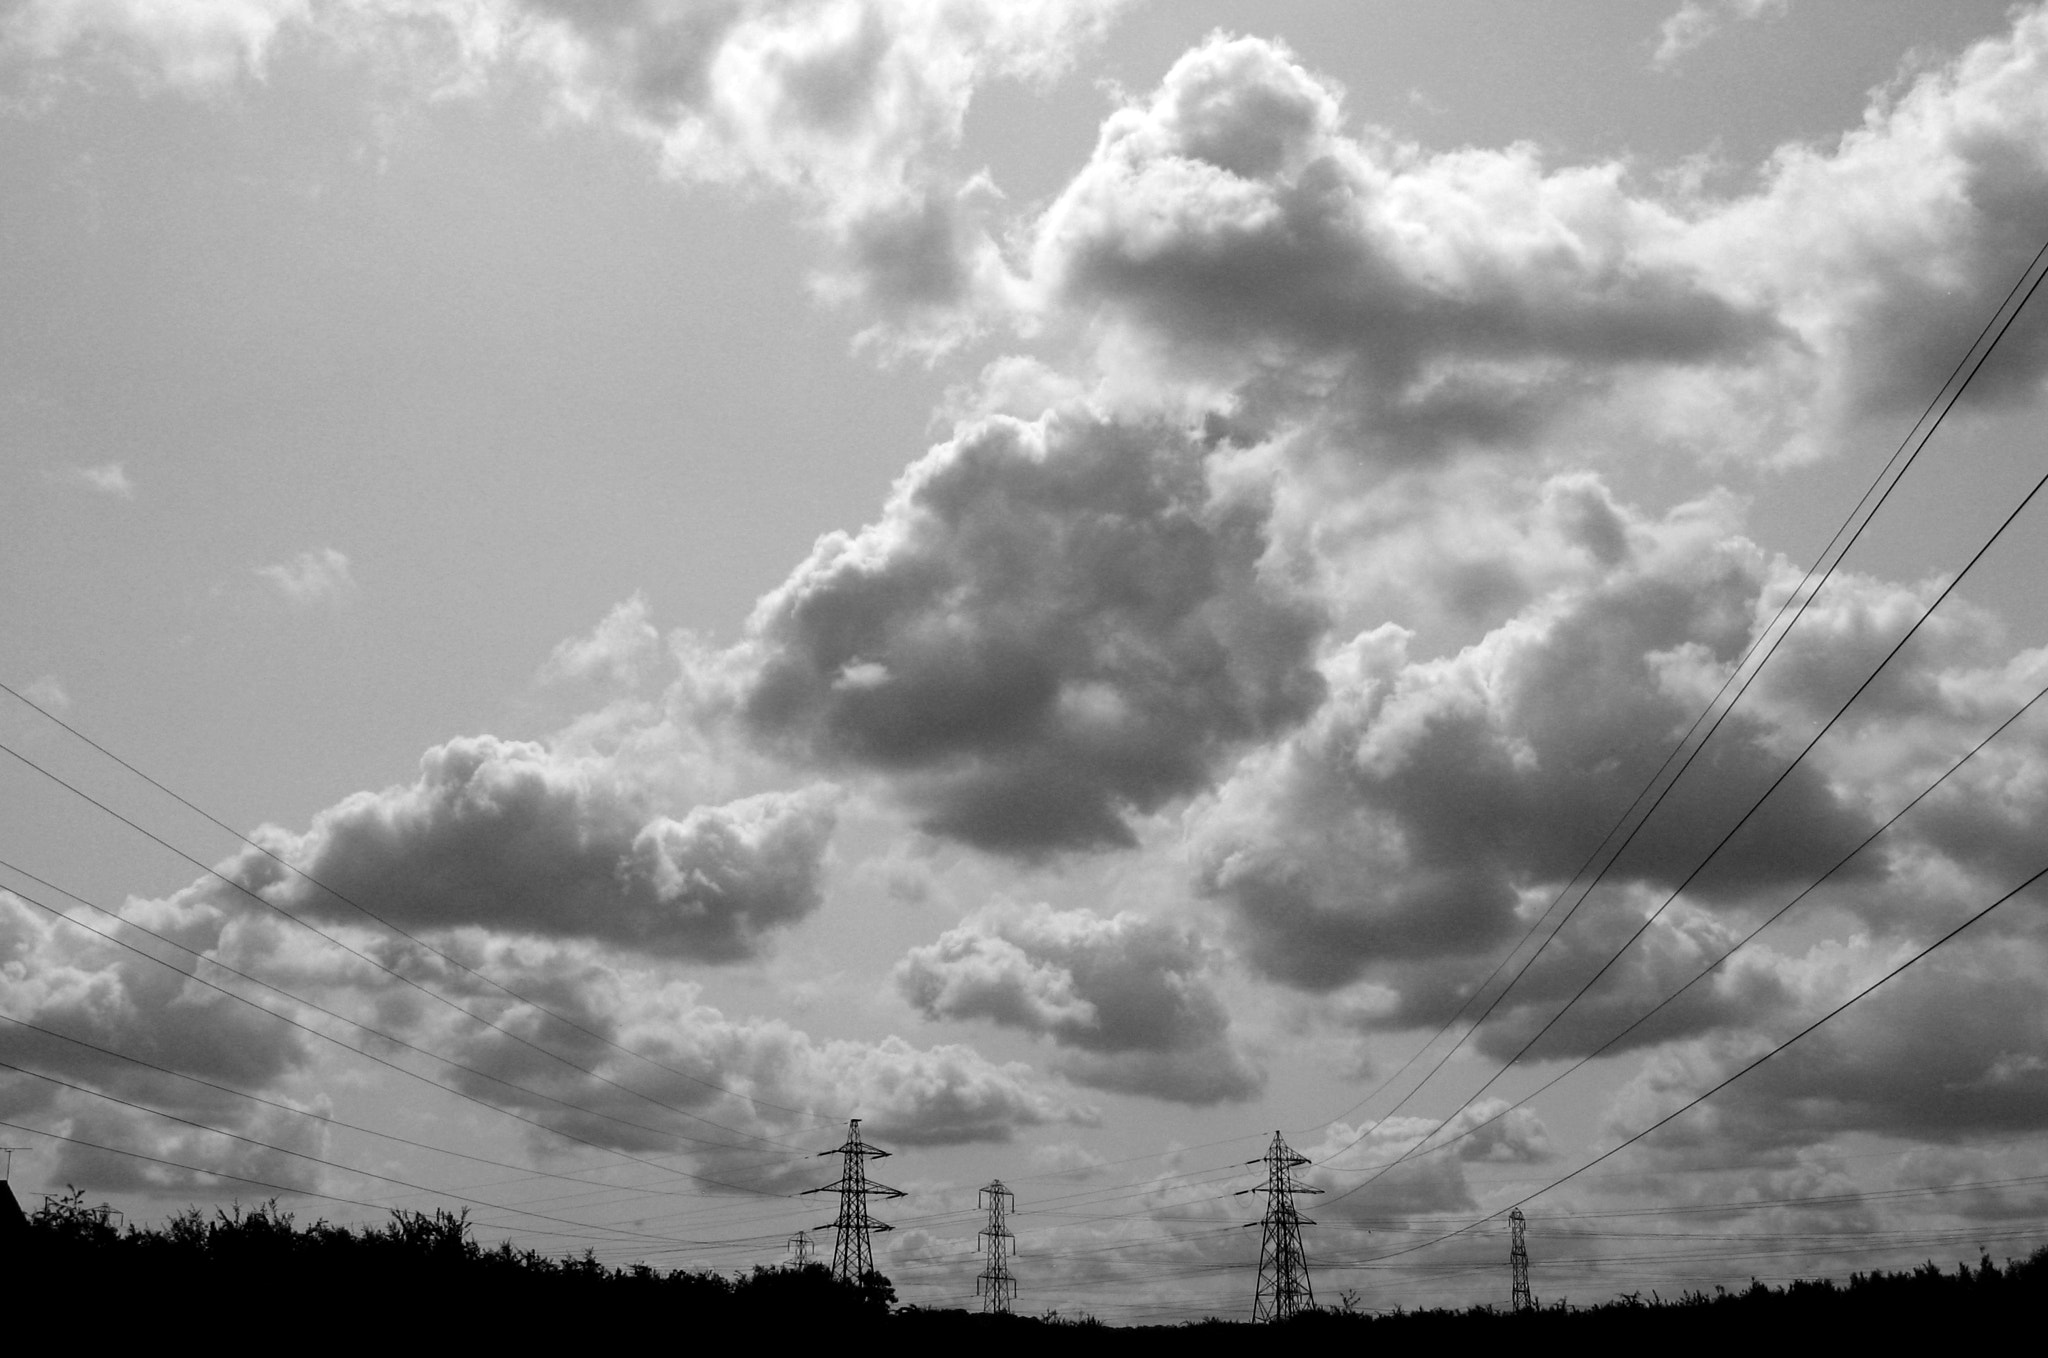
{"x": 1055, "y": 625}
{"x": 513, "y": 837}
{"x": 1948, "y": 1051}
{"x": 1230, "y": 234}
{"x": 1432, "y": 800}
{"x": 852, "y": 108}
{"x": 622, "y": 648}
{"x": 76, "y": 985}
{"x": 850, "y": 104}
{"x": 1357, "y": 1165}
{"x": 740, "y": 1098}
{"x": 1229, "y": 242}
{"x": 311, "y": 578}
{"x": 195, "y": 46}
{"x": 1694, "y": 22}
{"x": 747, "y": 1088}
{"x": 1133, "y": 1002}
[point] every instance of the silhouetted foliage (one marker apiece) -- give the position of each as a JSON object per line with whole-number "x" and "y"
{"x": 326, "y": 1282}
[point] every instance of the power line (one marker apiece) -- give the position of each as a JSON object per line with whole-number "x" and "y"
{"x": 362, "y": 956}
{"x": 451, "y": 960}
{"x": 1416, "y": 1150}
{"x": 1731, "y": 1079}
{"x": 1826, "y": 575}
{"x": 382, "y": 1036}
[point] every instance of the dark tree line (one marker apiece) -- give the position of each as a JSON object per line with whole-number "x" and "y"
{"x": 421, "y": 1277}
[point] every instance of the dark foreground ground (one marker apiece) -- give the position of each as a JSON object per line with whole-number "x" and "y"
{"x": 257, "y": 1278}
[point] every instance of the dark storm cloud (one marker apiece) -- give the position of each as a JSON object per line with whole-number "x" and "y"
{"x": 1131, "y": 1001}
{"x": 1053, "y": 626}
{"x": 512, "y": 837}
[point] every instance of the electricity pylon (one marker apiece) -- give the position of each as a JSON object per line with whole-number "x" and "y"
{"x": 800, "y": 1250}
{"x": 1518, "y": 1263}
{"x": 995, "y": 1286}
{"x": 853, "y": 1256}
{"x": 1283, "y": 1264}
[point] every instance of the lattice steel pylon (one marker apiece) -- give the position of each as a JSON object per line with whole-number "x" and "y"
{"x": 800, "y": 1248}
{"x": 1283, "y": 1263}
{"x": 853, "y": 1255}
{"x": 1518, "y": 1262}
{"x": 995, "y": 1286}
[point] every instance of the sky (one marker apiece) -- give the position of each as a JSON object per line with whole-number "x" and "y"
{"x": 590, "y": 591}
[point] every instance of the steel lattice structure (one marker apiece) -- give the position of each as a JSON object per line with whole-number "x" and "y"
{"x": 1518, "y": 1263}
{"x": 1283, "y": 1263}
{"x": 995, "y": 1286}
{"x": 853, "y": 1255}
{"x": 800, "y": 1250}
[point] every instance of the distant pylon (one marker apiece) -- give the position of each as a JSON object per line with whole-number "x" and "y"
{"x": 800, "y": 1248}
{"x": 853, "y": 1256}
{"x": 995, "y": 1286}
{"x": 1518, "y": 1262}
{"x": 1283, "y": 1264}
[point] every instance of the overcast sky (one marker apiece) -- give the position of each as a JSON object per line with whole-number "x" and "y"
{"x": 1065, "y": 578}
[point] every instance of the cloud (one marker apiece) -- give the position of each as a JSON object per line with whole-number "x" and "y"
{"x": 108, "y": 478}
{"x": 1694, "y": 22}
{"x": 753, "y": 1085}
{"x": 1948, "y": 1051}
{"x": 851, "y": 106}
{"x": 1352, "y": 1163}
{"x": 746, "y": 1081}
{"x": 853, "y": 109}
{"x": 48, "y": 691}
{"x": 1132, "y": 1001}
{"x": 513, "y": 837}
{"x": 622, "y": 648}
{"x": 1055, "y": 625}
{"x": 1231, "y": 246}
{"x": 1434, "y": 800}
{"x": 75, "y": 985}
{"x": 195, "y": 45}
{"x": 1227, "y": 235}
{"x": 311, "y": 578}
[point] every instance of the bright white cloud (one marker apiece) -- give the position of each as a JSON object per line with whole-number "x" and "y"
{"x": 108, "y": 478}
{"x": 311, "y": 578}
{"x": 623, "y": 648}
{"x": 852, "y": 108}
{"x": 1695, "y": 21}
